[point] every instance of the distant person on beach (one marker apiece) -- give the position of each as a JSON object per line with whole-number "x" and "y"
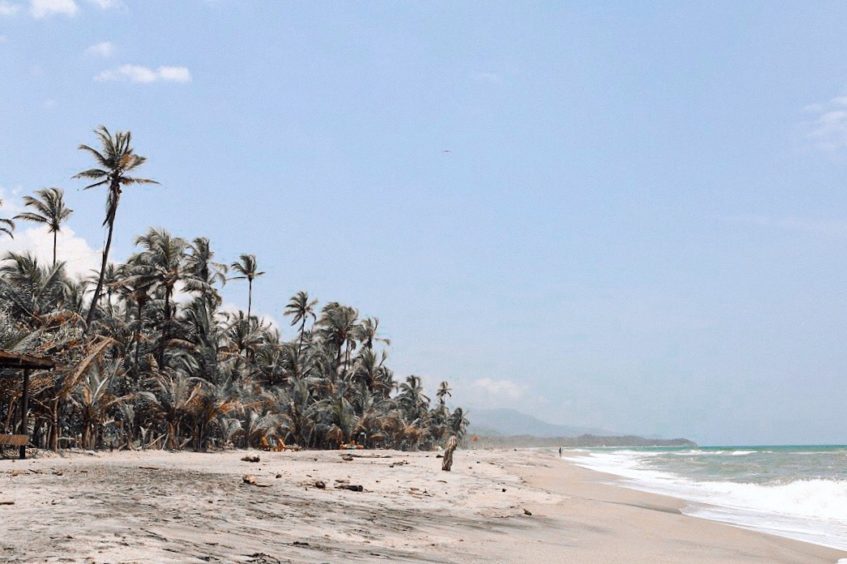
{"x": 560, "y": 452}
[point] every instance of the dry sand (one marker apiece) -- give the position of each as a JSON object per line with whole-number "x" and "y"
{"x": 187, "y": 507}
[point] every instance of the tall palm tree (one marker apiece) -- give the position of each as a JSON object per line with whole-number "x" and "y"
{"x": 300, "y": 308}
{"x": 247, "y": 269}
{"x": 116, "y": 159}
{"x": 49, "y": 209}
{"x": 7, "y": 226}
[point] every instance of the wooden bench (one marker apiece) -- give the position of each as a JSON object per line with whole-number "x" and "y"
{"x": 19, "y": 441}
{"x": 14, "y": 440}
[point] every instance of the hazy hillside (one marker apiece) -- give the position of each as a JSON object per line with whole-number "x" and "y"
{"x": 504, "y": 421}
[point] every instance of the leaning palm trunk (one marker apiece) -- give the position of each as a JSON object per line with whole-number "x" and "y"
{"x": 115, "y": 189}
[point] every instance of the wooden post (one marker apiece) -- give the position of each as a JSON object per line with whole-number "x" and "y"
{"x": 24, "y": 409}
{"x": 452, "y": 443}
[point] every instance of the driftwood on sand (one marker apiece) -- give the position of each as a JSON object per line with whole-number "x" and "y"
{"x": 447, "y": 463}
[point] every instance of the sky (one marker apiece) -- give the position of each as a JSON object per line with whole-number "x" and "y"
{"x": 630, "y": 216}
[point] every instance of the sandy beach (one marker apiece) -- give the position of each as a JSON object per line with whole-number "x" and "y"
{"x": 495, "y": 506}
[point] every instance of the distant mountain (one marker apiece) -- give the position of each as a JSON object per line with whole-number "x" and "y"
{"x": 583, "y": 441}
{"x": 507, "y": 422}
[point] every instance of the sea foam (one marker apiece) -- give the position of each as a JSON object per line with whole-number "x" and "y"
{"x": 812, "y": 510}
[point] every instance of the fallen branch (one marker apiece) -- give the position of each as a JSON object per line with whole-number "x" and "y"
{"x": 351, "y": 487}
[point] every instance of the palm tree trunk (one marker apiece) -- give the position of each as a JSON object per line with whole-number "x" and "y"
{"x": 302, "y": 330}
{"x": 347, "y": 358}
{"x": 54, "y": 427}
{"x": 99, "y": 287}
{"x": 138, "y": 339}
{"x": 249, "y": 298}
{"x": 165, "y": 327}
{"x": 54, "y": 247}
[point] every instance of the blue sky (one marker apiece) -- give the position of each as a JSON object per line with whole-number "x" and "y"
{"x": 640, "y": 222}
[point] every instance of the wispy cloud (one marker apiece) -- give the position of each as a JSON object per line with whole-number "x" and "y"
{"x": 826, "y": 227}
{"x": 145, "y": 75}
{"x": 8, "y": 8}
{"x": 107, "y": 4}
{"x": 102, "y": 49}
{"x": 827, "y": 127}
{"x": 503, "y": 389}
{"x": 44, "y": 8}
{"x": 487, "y": 77}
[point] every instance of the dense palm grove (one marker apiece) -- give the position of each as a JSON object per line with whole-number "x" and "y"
{"x": 148, "y": 358}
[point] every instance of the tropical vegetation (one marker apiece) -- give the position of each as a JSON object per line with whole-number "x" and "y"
{"x": 148, "y": 355}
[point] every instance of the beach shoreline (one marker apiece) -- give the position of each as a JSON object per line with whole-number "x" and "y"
{"x": 495, "y": 506}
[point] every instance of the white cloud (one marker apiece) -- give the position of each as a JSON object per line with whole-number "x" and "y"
{"x": 79, "y": 256}
{"x": 43, "y": 8}
{"x": 175, "y": 74}
{"x": 8, "y": 8}
{"x": 102, "y": 49}
{"x": 145, "y": 75}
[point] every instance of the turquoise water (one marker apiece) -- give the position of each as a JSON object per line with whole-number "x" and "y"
{"x": 798, "y": 492}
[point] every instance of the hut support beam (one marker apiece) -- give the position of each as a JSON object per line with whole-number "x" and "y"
{"x": 24, "y": 409}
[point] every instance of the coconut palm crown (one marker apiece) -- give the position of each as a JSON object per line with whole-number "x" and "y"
{"x": 48, "y": 209}
{"x": 247, "y": 269}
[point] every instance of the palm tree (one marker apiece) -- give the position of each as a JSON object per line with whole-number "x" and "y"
{"x": 338, "y": 327}
{"x": 368, "y": 332}
{"x": 7, "y": 226}
{"x": 443, "y": 392}
{"x": 459, "y": 423}
{"x": 205, "y": 271}
{"x": 411, "y": 399}
{"x": 173, "y": 395}
{"x": 116, "y": 160}
{"x": 300, "y": 308}
{"x": 29, "y": 290}
{"x": 50, "y": 209}
{"x": 94, "y": 399}
{"x": 248, "y": 269}
{"x": 163, "y": 262}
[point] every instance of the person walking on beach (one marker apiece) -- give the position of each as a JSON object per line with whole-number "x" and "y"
{"x": 560, "y": 452}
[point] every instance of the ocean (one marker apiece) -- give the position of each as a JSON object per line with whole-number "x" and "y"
{"x": 798, "y": 492}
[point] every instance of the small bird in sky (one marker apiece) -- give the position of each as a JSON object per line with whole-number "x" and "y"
{"x": 446, "y": 151}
